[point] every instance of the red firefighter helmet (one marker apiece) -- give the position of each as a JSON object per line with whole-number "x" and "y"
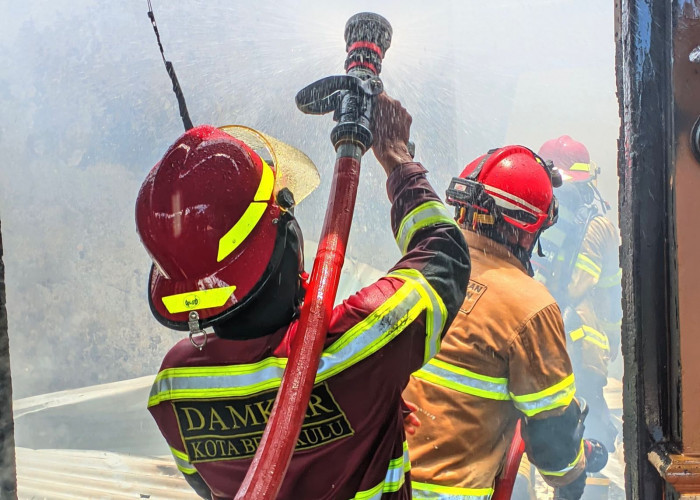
{"x": 571, "y": 158}
{"x": 208, "y": 217}
{"x": 516, "y": 181}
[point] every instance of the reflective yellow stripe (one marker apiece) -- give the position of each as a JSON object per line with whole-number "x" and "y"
{"x": 585, "y": 264}
{"x": 427, "y": 214}
{"x": 562, "y": 472}
{"x": 436, "y": 312}
{"x": 611, "y": 280}
{"x": 362, "y": 340}
{"x": 580, "y": 167}
{"x": 394, "y": 480}
{"x": 426, "y": 491}
{"x": 200, "y": 299}
{"x": 465, "y": 381}
{"x": 559, "y": 395}
{"x": 591, "y": 335}
{"x": 250, "y": 218}
{"x": 182, "y": 461}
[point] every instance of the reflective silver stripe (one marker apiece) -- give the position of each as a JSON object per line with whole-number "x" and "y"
{"x": 464, "y": 381}
{"x": 359, "y": 342}
{"x": 556, "y": 396}
{"x": 182, "y": 462}
{"x": 424, "y": 215}
{"x": 393, "y": 481}
{"x": 426, "y": 491}
{"x": 436, "y": 312}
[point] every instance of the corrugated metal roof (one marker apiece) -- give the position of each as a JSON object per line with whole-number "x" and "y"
{"x": 81, "y": 474}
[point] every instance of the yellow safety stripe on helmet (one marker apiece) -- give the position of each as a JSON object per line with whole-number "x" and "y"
{"x": 182, "y": 462}
{"x": 436, "y": 312}
{"x": 465, "y": 381}
{"x": 610, "y": 280}
{"x": 250, "y": 218}
{"x": 591, "y": 335}
{"x": 424, "y": 215}
{"x": 556, "y": 396}
{"x": 562, "y": 472}
{"x": 580, "y": 167}
{"x": 394, "y": 480}
{"x": 200, "y": 299}
{"x": 427, "y": 491}
{"x": 585, "y": 264}
{"x": 362, "y": 340}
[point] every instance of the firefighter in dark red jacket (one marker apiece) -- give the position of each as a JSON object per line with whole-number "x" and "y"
{"x": 228, "y": 255}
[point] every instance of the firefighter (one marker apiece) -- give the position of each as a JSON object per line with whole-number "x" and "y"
{"x": 504, "y": 357}
{"x": 580, "y": 267}
{"x": 227, "y": 253}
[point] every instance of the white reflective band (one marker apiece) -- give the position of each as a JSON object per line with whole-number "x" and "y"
{"x": 394, "y": 480}
{"x": 359, "y": 342}
{"x": 562, "y": 472}
{"x": 557, "y": 396}
{"x": 465, "y": 381}
{"x": 436, "y": 312}
{"x": 426, "y": 491}
{"x": 587, "y": 265}
{"x": 521, "y": 204}
{"x": 182, "y": 461}
{"x": 427, "y": 214}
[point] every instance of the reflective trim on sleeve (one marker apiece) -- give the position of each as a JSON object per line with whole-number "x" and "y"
{"x": 587, "y": 265}
{"x": 394, "y": 480}
{"x": 436, "y": 312}
{"x": 591, "y": 335}
{"x": 556, "y": 396}
{"x": 465, "y": 381}
{"x": 562, "y": 472}
{"x": 359, "y": 342}
{"x": 182, "y": 462}
{"x": 427, "y": 214}
{"x": 610, "y": 280}
{"x": 426, "y": 491}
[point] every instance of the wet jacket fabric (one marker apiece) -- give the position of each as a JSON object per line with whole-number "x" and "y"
{"x": 212, "y": 406}
{"x": 504, "y": 357}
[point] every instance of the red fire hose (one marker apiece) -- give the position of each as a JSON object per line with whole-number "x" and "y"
{"x": 506, "y": 480}
{"x": 265, "y": 475}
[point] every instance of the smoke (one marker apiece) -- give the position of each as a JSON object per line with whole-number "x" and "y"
{"x": 88, "y": 109}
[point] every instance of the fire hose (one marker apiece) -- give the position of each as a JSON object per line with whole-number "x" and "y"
{"x": 350, "y": 97}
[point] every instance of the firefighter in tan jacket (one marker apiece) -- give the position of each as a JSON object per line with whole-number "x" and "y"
{"x": 504, "y": 357}
{"x": 581, "y": 269}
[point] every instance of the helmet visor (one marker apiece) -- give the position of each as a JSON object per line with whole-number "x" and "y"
{"x": 294, "y": 170}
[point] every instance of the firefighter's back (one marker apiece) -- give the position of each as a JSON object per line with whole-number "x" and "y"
{"x": 465, "y": 394}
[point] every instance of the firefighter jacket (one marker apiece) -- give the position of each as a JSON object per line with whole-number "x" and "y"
{"x": 212, "y": 406}
{"x": 594, "y": 293}
{"x": 504, "y": 357}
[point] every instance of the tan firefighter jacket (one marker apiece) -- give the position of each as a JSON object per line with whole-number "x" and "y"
{"x": 504, "y": 357}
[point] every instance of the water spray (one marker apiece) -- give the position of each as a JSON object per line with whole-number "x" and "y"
{"x": 350, "y": 97}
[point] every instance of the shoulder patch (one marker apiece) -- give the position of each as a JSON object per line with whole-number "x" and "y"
{"x": 474, "y": 292}
{"x": 231, "y": 428}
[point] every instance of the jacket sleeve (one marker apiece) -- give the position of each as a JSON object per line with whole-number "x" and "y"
{"x": 541, "y": 385}
{"x": 421, "y": 294}
{"x": 594, "y": 261}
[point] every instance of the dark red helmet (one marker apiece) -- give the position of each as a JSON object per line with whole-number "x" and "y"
{"x": 571, "y": 158}
{"x": 208, "y": 217}
{"x": 516, "y": 181}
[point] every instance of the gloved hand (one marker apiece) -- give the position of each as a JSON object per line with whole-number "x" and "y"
{"x": 596, "y": 455}
{"x": 391, "y": 126}
{"x": 573, "y": 490}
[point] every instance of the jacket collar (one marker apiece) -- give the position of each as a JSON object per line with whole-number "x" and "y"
{"x": 487, "y": 246}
